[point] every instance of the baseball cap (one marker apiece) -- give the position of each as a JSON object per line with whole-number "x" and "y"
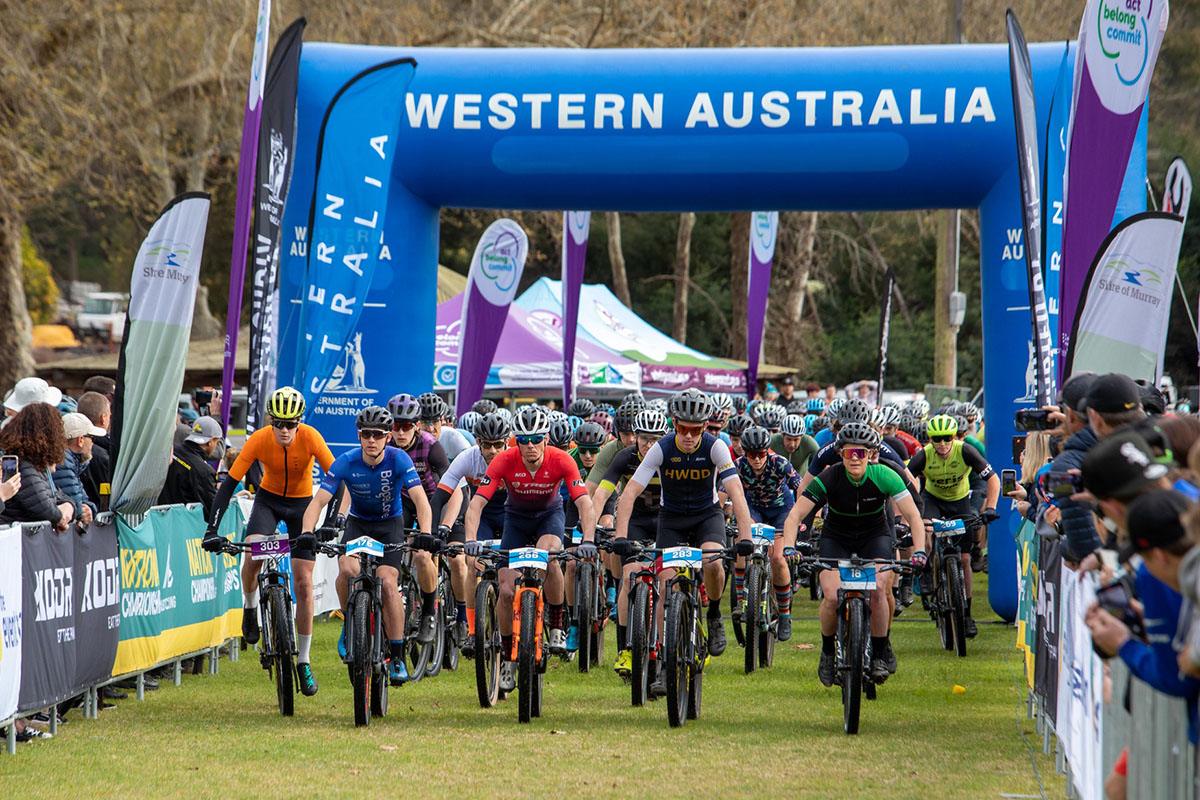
{"x": 1113, "y": 393}
{"x": 1153, "y": 520}
{"x": 205, "y": 429}
{"x": 1119, "y": 467}
{"x": 1075, "y": 390}
{"x": 76, "y": 424}
{"x": 32, "y": 390}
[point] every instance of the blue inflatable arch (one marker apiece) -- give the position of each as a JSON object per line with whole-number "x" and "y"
{"x": 831, "y": 129}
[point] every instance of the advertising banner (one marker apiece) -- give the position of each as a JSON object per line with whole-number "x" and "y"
{"x": 1118, "y": 48}
{"x": 162, "y": 298}
{"x": 1052, "y": 194}
{"x": 576, "y": 225}
{"x": 885, "y": 327}
{"x": 276, "y": 143}
{"x": 1080, "y": 687}
{"x": 1046, "y": 652}
{"x": 492, "y": 284}
{"x": 10, "y": 619}
{"x": 764, "y": 230}
{"x": 1027, "y": 575}
{"x": 1132, "y": 278}
{"x": 175, "y": 597}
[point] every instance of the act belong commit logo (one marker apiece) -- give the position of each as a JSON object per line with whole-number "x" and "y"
{"x": 499, "y": 261}
{"x": 1121, "y": 42}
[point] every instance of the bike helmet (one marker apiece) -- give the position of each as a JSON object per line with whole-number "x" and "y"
{"x": 690, "y": 405}
{"x": 854, "y": 410}
{"x": 604, "y": 420}
{"x": 581, "y": 408}
{"x": 504, "y": 412}
{"x": 633, "y": 397}
{"x": 942, "y": 425}
{"x": 723, "y": 404}
{"x": 819, "y": 424}
{"x": 560, "y": 434}
{"x": 793, "y": 425}
{"x": 483, "y": 407}
{"x": 660, "y": 405}
{"x": 920, "y": 408}
{"x": 889, "y": 416}
{"x": 650, "y": 423}
{"x": 962, "y": 423}
{"x": 970, "y": 411}
{"x": 739, "y": 404}
{"x": 404, "y": 408}
{"x": 859, "y": 434}
{"x": 375, "y": 418}
{"x": 574, "y": 422}
{"x": 624, "y": 418}
{"x": 834, "y": 409}
{"x": 771, "y": 417}
{"x": 810, "y": 421}
{"x": 590, "y": 436}
{"x": 286, "y": 403}
{"x": 607, "y": 408}
{"x": 493, "y": 427}
{"x": 756, "y": 438}
{"x": 557, "y": 416}
{"x": 797, "y": 406}
{"x": 815, "y": 405}
{"x": 738, "y": 425}
{"x": 530, "y": 421}
{"x": 468, "y": 421}
{"x": 433, "y": 407}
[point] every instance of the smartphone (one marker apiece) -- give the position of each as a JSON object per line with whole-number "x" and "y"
{"x": 1008, "y": 481}
{"x": 1115, "y": 599}
{"x": 1018, "y": 449}
{"x": 1034, "y": 419}
{"x": 1062, "y": 485}
{"x": 9, "y": 466}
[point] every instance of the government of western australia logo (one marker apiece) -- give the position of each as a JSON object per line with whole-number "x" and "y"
{"x": 276, "y": 168}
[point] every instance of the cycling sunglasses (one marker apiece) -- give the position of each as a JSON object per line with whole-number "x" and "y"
{"x": 491, "y": 445}
{"x": 532, "y": 438}
{"x": 592, "y": 450}
{"x": 689, "y": 430}
{"x": 941, "y": 439}
{"x": 859, "y": 453}
{"x": 756, "y": 453}
{"x": 371, "y": 433}
{"x": 285, "y": 424}
{"x": 403, "y": 426}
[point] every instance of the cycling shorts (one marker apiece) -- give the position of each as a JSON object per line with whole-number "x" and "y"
{"x": 773, "y": 515}
{"x": 491, "y": 526}
{"x": 690, "y": 530}
{"x": 880, "y": 545}
{"x": 271, "y": 509}
{"x": 936, "y": 508}
{"x": 523, "y": 529}
{"x": 572, "y": 511}
{"x": 388, "y": 531}
{"x": 643, "y": 529}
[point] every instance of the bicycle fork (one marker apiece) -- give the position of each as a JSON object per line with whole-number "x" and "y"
{"x": 520, "y": 592}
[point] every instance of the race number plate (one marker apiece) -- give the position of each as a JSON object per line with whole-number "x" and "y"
{"x": 365, "y": 545}
{"x": 528, "y": 558}
{"x": 490, "y": 544}
{"x": 762, "y": 534}
{"x": 857, "y": 576}
{"x": 275, "y": 547}
{"x": 948, "y": 527}
{"x": 576, "y": 536}
{"x": 682, "y": 558}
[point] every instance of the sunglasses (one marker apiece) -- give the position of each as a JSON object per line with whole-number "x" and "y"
{"x": 689, "y": 430}
{"x": 491, "y": 445}
{"x": 372, "y": 434}
{"x": 589, "y": 450}
{"x": 533, "y": 438}
{"x": 756, "y": 453}
{"x": 404, "y": 426}
{"x": 941, "y": 439}
{"x": 714, "y": 429}
{"x": 285, "y": 424}
{"x": 854, "y": 453}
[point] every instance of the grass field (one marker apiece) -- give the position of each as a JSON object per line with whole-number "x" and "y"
{"x": 777, "y": 733}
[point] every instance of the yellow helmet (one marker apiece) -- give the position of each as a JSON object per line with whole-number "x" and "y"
{"x": 942, "y": 425}
{"x": 286, "y": 403}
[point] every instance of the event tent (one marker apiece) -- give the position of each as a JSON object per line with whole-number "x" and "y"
{"x": 529, "y": 356}
{"x": 666, "y": 364}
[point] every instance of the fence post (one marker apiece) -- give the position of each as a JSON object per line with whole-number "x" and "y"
{"x": 141, "y": 686}
{"x": 12, "y": 738}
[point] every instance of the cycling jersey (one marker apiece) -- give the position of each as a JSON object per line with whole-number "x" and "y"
{"x": 621, "y": 470}
{"x": 429, "y": 459}
{"x": 828, "y": 455}
{"x": 527, "y": 492}
{"x": 467, "y": 469}
{"x": 689, "y": 480}
{"x": 607, "y": 453}
{"x": 287, "y": 471}
{"x": 374, "y": 490}
{"x": 453, "y": 442}
{"x": 949, "y": 478}
{"x": 909, "y": 442}
{"x": 857, "y": 509}
{"x": 825, "y": 437}
{"x": 774, "y": 487}
{"x": 801, "y": 455}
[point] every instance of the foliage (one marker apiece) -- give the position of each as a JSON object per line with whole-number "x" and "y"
{"x": 41, "y": 292}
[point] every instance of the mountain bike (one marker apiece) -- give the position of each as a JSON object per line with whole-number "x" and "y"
{"x": 685, "y": 643}
{"x": 418, "y": 657}
{"x": 528, "y": 648}
{"x": 642, "y": 629}
{"x": 945, "y": 596}
{"x": 277, "y": 647}
{"x": 486, "y": 640}
{"x": 591, "y": 606}
{"x": 761, "y": 612}
{"x": 446, "y": 644}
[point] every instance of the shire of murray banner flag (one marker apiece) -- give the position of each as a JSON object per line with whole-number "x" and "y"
{"x": 162, "y": 296}
{"x": 764, "y": 228}
{"x": 576, "y": 225}
{"x": 251, "y": 122}
{"x": 355, "y": 153}
{"x": 885, "y": 326}
{"x": 1121, "y": 325}
{"x": 491, "y": 285}
{"x": 275, "y": 146}
{"x": 1118, "y": 47}
{"x": 1025, "y": 117}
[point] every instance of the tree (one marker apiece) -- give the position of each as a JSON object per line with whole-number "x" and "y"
{"x": 616, "y": 257}
{"x": 41, "y": 292}
{"x": 683, "y": 278}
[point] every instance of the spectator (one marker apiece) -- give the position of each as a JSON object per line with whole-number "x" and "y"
{"x": 30, "y": 390}
{"x": 1118, "y": 470}
{"x": 1075, "y": 517}
{"x": 79, "y": 431}
{"x": 98, "y": 475}
{"x": 830, "y": 394}
{"x": 812, "y": 391}
{"x": 36, "y": 436}
{"x": 183, "y": 424}
{"x": 1035, "y": 459}
{"x": 1181, "y": 434}
{"x": 8, "y": 489}
{"x": 787, "y": 390}
{"x": 102, "y": 384}
{"x": 1113, "y": 401}
{"x": 190, "y": 479}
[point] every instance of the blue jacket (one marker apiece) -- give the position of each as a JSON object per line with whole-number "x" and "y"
{"x": 67, "y": 480}
{"x": 1155, "y": 662}
{"x": 1078, "y": 520}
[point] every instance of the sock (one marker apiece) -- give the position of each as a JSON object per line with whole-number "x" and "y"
{"x": 506, "y": 647}
{"x": 827, "y": 644}
{"x": 460, "y": 611}
{"x": 303, "y": 643}
{"x": 622, "y": 642}
{"x": 470, "y": 612}
{"x": 250, "y": 599}
{"x": 397, "y": 648}
{"x": 880, "y": 646}
{"x": 428, "y": 602}
{"x": 739, "y": 584}
{"x": 783, "y": 599}
{"x": 714, "y": 609}
{"x": 556, "y": 615}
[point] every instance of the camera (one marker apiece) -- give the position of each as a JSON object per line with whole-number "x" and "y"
{"x": 1034, "y": 419}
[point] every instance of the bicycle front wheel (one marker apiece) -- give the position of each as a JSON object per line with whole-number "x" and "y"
{"x": 527, "y": 660}
{"x": 361, "y": 624}
{"x": 417, "y": 654}
{"x": 640, "y": 622}
{"x": 752, "y": 617}
{"x": 585, "y": 612}
{"x": 279, "y": 623}
{"x": 957, "y": 611}
{"x": 853, "y": 650}
{"x": 766, "y": 636}
{"x": 677, "y": 658}
{"x": 487, "y": 645}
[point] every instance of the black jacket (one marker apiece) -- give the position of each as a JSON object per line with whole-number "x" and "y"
{"x": 189, "y": 479}
{"x": 1078, "y": 519}
{"x": 37, "y": 501}
{"x": 98, "y": 473}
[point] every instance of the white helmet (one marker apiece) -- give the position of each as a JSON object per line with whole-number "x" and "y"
{"x": 531, "y": 421}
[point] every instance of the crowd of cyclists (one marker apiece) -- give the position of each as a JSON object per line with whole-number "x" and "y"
{"x": 617, "y": 485}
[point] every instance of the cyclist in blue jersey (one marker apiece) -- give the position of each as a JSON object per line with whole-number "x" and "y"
{"x": 374, "y": 475}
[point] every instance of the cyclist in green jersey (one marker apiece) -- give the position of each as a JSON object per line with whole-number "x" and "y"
{"x": 623, "y": 423}
{"x": 793, "y": 443}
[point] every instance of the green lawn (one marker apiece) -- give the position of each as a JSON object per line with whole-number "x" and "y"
{"x": 776, "y": 732}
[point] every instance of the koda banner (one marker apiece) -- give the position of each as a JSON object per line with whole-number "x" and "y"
{"x": 276, "y": 142}
{"x": 162, "y": 297}
{"x": 10, "y": 619}
{"x": 70, "y": 611}
{"x": 764, "y": 229}
{"x": 1119, "y": 43}
{"x": 492, "y": 283}
{"x": 576, "y": 225}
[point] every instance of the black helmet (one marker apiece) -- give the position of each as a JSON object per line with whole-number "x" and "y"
{"x": 756, "y": 438}
{"x": 590, "y": 436}
{"x": 560, "y": 433}
{"x": 855, "y": 410}
{"x": 404, "y": 408}
{"x": 633, "y": 397}
{"x": 690, "y": 405}
{"x": 738, "y": 425}
{"x": 375, "y": 418}
{"x": 483, "y": 407}
{"x": 771, "y": 417}
{"x": 859, "y": 434}
{"x": 581, "y": 408}
{"x": 623, "y": 420}
{"x": 798, "y": 407}
{"x": 433, "y": 407}
{"x": 492, "y": 428}
{"x": 739, "y": 403}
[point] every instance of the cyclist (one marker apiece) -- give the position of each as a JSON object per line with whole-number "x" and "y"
{"x": 623, "y": 422}
{"x": 690, "y": 465}
{"x": 433, "y": 414}
{"x": 484, "y": 407}
{"x": 853, "y": 411}
{"x": 649, "y": 427}
{"x": 286, "y": 451}
{"x": 467, "y": 423}
{"x": 794, "y": 443}
{"x": 770, "y": 483}
{"x": 945, "y": 466}
{"x": 833, "y": 412}
{"x": 582, "y": 408}
{"x": 737, "y": 426}
{"x": 588, "y": 440}
{"x": 533, "y": 516}
{"x": 857, "y": 494}
{"x": 374, "y": 474}
{"x": 722, "y": 411}
{"x": 899, "y": 440}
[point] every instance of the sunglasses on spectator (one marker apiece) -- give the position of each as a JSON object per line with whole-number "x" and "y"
{"x": 941, "y": 439}
{"x": 370, "y": 433}
{"x": 532, "y": 438}
{"x": 689, "y": 430}
{"x": 853, "y": 453}
{"x": 756, "y": 453}
{"x": 285, "y": 424}
{"x": 403, "y": 426}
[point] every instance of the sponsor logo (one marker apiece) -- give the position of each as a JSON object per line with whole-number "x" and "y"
{"x": 10, "y": 625}
{"x": 684, "y": 474}
{"x": 1141, "y": 283}
{"x": 1120, "y": 48}
{"x": 669, "y": 377}
{"x": 547, "y": 325}
{"x": 276, "y": 169}
{"x": 350, "y": 376}
{"x": 763, "y": 227}
{"x": 168, "y": 260}
{"x": 723, "y": 380}
{"x": 447, "y": 374}
{"x": 141, "y": 584}
{"x": 101, "y": 587}
{"x": 52, "y": 595}
{"x": 578, "y": 223}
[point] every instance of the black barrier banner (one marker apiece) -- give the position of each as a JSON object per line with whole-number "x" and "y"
{"x": 70, "y": 595}
{"x": 1045, "y": 677}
